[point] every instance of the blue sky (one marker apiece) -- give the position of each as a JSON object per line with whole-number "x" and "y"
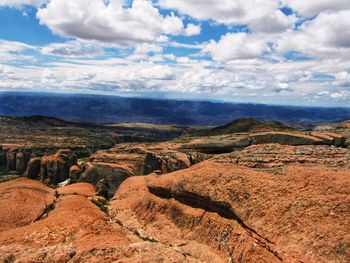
{"x": 280, "y": 52}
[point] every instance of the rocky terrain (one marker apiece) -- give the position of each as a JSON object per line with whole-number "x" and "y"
{"x": 24, "y": 138}
{"x": 249, "y": 191}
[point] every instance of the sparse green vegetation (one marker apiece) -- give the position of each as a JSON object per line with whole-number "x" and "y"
{"x": 144, "y": 238}
{"x": 101, "y": 203}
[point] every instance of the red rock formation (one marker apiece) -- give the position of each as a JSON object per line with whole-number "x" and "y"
{"x": 276, "y": 155}
{"x": 73, "y": 229}
{"x": 112, "y": 174}
{"x": 244, "y": 215}
{"x": 33, "y": 168}
{"x": 227, "y": 144}
{"x": 22, "y": 202}
{"x": 55, "y": 168}
{"x": 109, "y": 168}
{"x": 345, "y": 125}
{"x": 17, "y": 159}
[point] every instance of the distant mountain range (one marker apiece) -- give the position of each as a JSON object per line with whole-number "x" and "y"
{"x": 112, "y": 109}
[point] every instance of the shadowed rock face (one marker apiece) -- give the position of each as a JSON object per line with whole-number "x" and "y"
{"x": 16, "y": 158}
{"x": 51, "y": 169}
{"x": 111, "y": 174}
{"x": 2, "y": 156}
{"x": 165, "y": 162}
{"x": 33, "y": 169}
{"x": 226, "y": 144}
{"x": 107, "y": 169}
{"x": 55, "y": 168}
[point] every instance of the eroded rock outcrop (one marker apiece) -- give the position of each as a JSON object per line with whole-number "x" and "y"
{"x": 72, "y": 229}
{"x": 22, "y": 202}
{"x": 244, "y": 215}
{"x": 51, "y": 169}
{"x": 111, "y": 174}
{"x": 248, "y": 125}
{"x": 165, "y": 162}
{"x": 227, "y": 144}
{"x": 107, "y": 169}
{"x": 17, "y": 159}
{"x": 276, "y": 155}
{"x": 34, "y": 167}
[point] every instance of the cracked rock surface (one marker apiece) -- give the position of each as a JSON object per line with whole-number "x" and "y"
{"x": 267, "y": 203}
{"x": 244, "y": 215}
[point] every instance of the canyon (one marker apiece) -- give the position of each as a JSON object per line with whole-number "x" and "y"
{"x": 248, "y": 191}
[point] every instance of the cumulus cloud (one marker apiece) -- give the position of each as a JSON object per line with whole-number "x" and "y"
{"x": 233, "y": 46}
{"x": 94, "y": 20}
{"x": 311, "y": 8}
{"x": 223, "y": 11}
{"x": 260, "y": 16}
{"x": 131, "y": 50}
{"x": 327, "y": 35}
{"x": 192, "y": 30}
{"x": 146, "y": 48}
{"x": 275, "y": 22}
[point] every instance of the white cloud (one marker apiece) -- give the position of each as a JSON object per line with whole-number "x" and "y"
{"x": 328, "y": 35}
{"x": 275, "y": 22}
{"x": 134, "y": 41}
{"x": 192, "y": 30}
{"x": 5, "y": 71}
{"x": 223, "y": 11}
{"x": 261, "y": 16}
{"x": 73, "y": 49}
{"x": 18, "y": 3}
{"x": 11, "y": 50}
{"x": 146, "y": 48}
{"x": 94, "y": 20}
{"x": 236, "y": 46}
{"x": 311, "y": 8}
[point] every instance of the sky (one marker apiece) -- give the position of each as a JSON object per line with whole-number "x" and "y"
{"x": 292, "y": 52}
